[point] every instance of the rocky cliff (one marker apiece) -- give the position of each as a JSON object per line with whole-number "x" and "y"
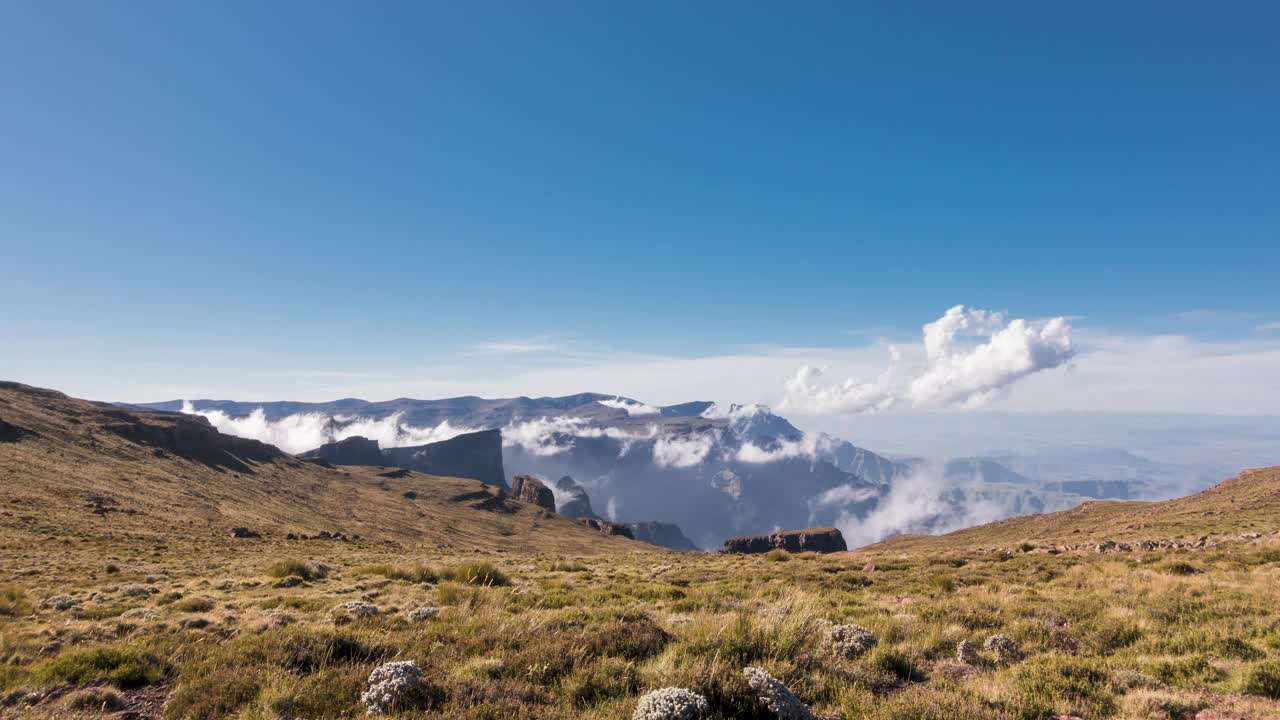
{"x": 608, "y": 528}
{"x": 527, "y": 488}
{"x": 822, "y": 540}
{"x": 667, "y": 535}
{"x": 574, "y": 502}
{"x": 477, "y": 456}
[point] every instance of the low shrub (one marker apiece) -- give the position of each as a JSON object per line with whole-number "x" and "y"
{"x": 124, "y": 667}
{"x": 1262, "y": 679}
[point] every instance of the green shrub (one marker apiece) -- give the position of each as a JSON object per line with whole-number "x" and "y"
{"x": 1182, "y": 567}
{"x": 1056, "y": 684}
{"x": 942, "y": 583}
{"x": 13, "y": 601}
{"x": 124, "y": 667}
{"x": 1262, "y": 679}
{"x": 415, "y": 574}
{"x": 1189, "y": 672}
{"x": 194, "y": 605}
{"x": 298, "y": 569}
{"x": 476, "y": 573}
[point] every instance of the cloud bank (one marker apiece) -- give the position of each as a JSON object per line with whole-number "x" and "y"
{"x": 971, "y": 356}
{"x": 632, "y": 407}
{"x": 307, "y": 431}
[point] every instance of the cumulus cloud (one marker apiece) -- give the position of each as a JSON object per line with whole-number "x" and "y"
{"x": 554, "y": 435}
{"x": 972, "y": 374}
{"x": 306, "y": 431}
{"x": 920, "y": 501}
{"x": 971, "y": 356}
{"x": 632, "y": 407}
{"x": 805, "y": 394}
{"x": 734, "y": 411}
{"x": 683, "y": 450}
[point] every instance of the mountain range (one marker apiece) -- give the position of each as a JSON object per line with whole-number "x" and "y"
{"x": 712, "y": 471}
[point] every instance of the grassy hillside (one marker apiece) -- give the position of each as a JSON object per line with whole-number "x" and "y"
{"x": 122, "y": 594}
{"x": 1246, "y": 504}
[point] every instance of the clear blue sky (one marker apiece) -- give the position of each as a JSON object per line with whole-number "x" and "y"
{"x": 356, "y": 180}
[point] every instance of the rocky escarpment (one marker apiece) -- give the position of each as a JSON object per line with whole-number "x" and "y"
{"x": 822, "y": 540}
{"x": 608, "y": 528}
{"x": 476, "y": 455}
{"x": 667, "y": 535}
{"x": 12, "y": 433}
{"x": 527, "y": 488}
{"x": 573, "y": 500}
{"x": 188, "y": 436}
{"x": 349, "y": 451}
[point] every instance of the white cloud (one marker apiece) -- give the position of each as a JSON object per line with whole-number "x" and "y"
{"x": 517, "y": 346}
{"x": 958, "y": 370}
{"x": 632, "y": 407}
{"x": 683, "y": 450}
{"x": 803, "y": 393}
{"x": 973, "y": 374}
{"x": 808, "y": 446}
{"x": 916, "y": 503}
{"x": 307, "y": 431}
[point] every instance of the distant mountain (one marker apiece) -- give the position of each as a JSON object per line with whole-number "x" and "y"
{"x": 714, "y": 471}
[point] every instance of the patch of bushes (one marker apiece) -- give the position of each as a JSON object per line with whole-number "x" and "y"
{"x": 778, "y": 555}
{"x": 1052, "y": 685}
{"x": 13, "y": 601}
{"x": 299, "y": 569}
{"x": 1189, "y": 672}
{"x": 124, "y": 667}
{"x": 1182, "y": 567}
{"x": 217, "y": 694}
{"x": 416, "y": 574}
{"x": 476, "y": 573}
{"x": 1262, "y": 679}
{"x": 194, "y": 605}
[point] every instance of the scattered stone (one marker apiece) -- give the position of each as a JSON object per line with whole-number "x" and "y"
{"x": 141, "y": 614}
{"x": 1003, "y": 649}
{"x": 680, "y": 619}
{"x": 244, "y": 532}
{"x": 58, "y": 602}
{"x": 288, "y": 582}
{"x": 776, "y": 697}
{"x": 410, "y": 495}
{"x": 136, "y": 590}
{"x": 851, "y": 641}
{"x": 423, "y": 614}
{"x": 392, "y": 687}
{"x": 356, "y": 608}
{"x": 670, "y": 704}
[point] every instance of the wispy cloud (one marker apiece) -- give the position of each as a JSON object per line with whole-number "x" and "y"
{"x": 518, "y": 346}
{"x": 1268, "y": 327}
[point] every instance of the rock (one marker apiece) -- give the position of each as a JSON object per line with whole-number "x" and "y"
{"x": 359, "y": 609}
{"x": 670, "y": 704}
{"x": 354, "y": 450}
{"x": 423, "y": 614}
{"x": 529, "y": 489}
{"x": 392, "y": 687}
{"x": 1003, "y": 649}
{"x": 822, "y": 540}
{"x": 967, "y": 653}
{"x": 850, "y": 641}
{"x": 244, "y": 532}
{"x": 576, "y": 502}
{"x": 667, "y": 535}
{"x": 605, "y": 527}
{"x": 58, "y": 602}
{"x": 13, "y": 433}
{"x": 776, "y": 697}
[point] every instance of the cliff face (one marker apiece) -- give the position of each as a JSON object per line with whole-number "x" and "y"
{"x": 576, "y": 503}
{"x": 608, "y": 528}
{"x": 667, "y": 535}
{"x": 476, "y": 456}
{"x": 822, "y": 540}
{"x": 527, "y": 488}
{"x": 351, "y": 451}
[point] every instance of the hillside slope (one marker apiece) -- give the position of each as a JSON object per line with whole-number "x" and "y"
{"x": 1248, "y": 503}
{"x": 74, "y": 469}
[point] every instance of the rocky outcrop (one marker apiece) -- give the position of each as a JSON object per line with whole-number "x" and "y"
{"x": 667, "y": 535}
{"x": 188, "y": 436}
{"x": 476, "y": 455}
{"x": 822, "y": 540}
{"x": 527, "y": 488}
{"x": 12, "y": 433}
{"x": 348, "y": 451}
{"x": 604, "y": 527}
{"x": 574, "y": 501}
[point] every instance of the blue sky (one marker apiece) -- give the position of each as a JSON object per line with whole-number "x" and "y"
{"x": 292, "y": 199}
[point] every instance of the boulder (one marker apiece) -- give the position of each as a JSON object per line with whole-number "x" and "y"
{"x": 604, "y": 527}
{"x": 244, "y": 532}
{"x": 822, "y": 540}
{"x": 529, "y": 489}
